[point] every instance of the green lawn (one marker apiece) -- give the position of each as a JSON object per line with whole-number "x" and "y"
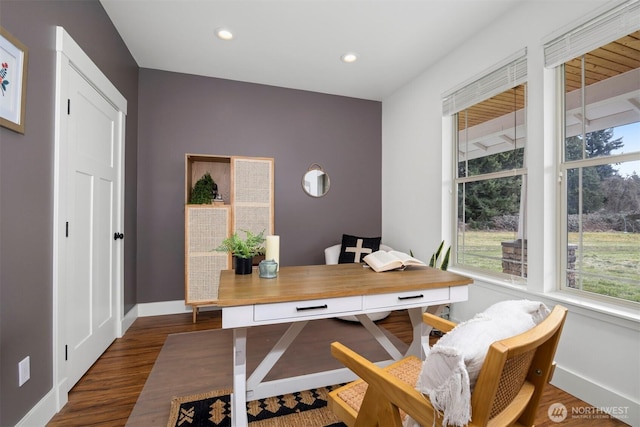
{"x": 609, "y": 263}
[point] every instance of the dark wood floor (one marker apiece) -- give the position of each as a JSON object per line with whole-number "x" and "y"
{"x": 107, "y": 393}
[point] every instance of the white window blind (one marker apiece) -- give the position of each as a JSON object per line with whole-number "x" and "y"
{"x": 617, "y": 22}
{"x": 511, "y": 73}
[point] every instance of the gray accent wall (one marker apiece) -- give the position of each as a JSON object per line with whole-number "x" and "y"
{"x": 182, "y": 113}
{"x": 26, "y": 189}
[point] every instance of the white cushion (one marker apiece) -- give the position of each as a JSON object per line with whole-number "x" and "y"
{"x": 451, "y": 367}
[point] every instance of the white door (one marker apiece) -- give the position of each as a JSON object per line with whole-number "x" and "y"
{"x": 92, "y": 182}
{"x": 88, "y": 212}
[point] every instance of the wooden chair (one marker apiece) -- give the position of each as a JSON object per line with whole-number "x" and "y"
{"x": 507, "y": 391}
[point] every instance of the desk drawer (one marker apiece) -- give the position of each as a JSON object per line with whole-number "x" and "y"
{"x": 303, "y": 309}
{"x": 418, "y": 298}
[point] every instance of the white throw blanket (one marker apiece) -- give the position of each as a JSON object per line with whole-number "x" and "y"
{"x": 451, "y": 368}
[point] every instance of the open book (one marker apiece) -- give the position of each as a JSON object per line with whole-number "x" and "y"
{"x": 384, "y": 261}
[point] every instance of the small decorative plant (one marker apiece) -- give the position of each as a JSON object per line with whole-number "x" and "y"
{"x": 204, "y": 191}
{"x": 249, "y": 247}
{"x": 435, "y": 258}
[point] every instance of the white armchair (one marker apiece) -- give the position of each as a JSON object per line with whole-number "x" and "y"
{"x": 331, "y": 255}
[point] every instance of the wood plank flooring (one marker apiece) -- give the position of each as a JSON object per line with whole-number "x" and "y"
{"x": 107, "y": 393}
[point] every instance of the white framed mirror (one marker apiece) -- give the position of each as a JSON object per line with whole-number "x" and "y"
{"x": 315, "y": 181}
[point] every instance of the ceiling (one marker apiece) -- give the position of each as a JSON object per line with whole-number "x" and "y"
{"x": 298, "y": 43}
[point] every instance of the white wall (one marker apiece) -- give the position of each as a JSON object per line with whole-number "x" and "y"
{"x": 600, "y": 348}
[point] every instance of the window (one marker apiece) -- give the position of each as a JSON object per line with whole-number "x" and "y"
{"x": 600, "y": 169}
{"x": 599, "y": 69}
{"x": 490, "y": 174}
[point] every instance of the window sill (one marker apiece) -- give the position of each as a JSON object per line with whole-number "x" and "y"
{"x": 618, "y": 314}
{"x": 518, "y": 285}
{"x": 593, "y": 305}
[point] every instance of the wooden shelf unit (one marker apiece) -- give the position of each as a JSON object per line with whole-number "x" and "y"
{"x": 247, "y": 188}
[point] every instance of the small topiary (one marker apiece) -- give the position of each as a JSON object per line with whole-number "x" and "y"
{"x": 203, "y": 192}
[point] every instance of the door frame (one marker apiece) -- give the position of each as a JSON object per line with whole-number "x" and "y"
{"x": 69, "y": 54}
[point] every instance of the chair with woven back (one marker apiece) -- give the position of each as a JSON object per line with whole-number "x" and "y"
{"x": 507, "y": 391}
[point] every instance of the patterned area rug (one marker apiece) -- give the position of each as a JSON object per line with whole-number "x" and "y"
{"x": 306, "y": 408}
{"x": 198, "y": 362}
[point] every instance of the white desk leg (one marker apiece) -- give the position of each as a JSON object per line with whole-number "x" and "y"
{"x": 421, "y": 330}
{"x": 239, "y": 398}
{"x": 379, "y": 336}
{"x": 274, "y": 355}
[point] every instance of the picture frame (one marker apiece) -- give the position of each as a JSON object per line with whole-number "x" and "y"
{"x": 13, "y": 81}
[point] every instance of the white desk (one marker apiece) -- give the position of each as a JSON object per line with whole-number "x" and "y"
{"x": 301, "y": 294}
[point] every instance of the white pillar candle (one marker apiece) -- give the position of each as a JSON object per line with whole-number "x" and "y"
{"x": 272, "y": 250}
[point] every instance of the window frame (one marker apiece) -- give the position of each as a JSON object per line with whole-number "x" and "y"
{"x": 604, "y": 26}
{"x": 563, "y": 166}
{"x": 522, "y": 172}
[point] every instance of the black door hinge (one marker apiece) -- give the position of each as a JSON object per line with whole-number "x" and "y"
{"x": 68, "y": 106}
{"x": 66, "y": 352}
{"x": 66, "y": 232}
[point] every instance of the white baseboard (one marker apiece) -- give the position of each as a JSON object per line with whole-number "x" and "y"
{"x": 167, "y": 307}
{"x": 41, "y": 413}
{"x": 162, "y": 308}
{"x": 599, "y": 398}
{"x": 128, "y": 319}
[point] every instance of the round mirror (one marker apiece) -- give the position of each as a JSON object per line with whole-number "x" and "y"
{"x": 315, "y": 181}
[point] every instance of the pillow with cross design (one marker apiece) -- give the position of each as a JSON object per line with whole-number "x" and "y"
{"x": 355, "y": 248}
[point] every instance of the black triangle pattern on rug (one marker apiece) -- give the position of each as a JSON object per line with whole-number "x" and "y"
{"x": 215, "y": 410}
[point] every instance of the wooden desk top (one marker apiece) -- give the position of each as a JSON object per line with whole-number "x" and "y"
{"x": 327, "y": 281}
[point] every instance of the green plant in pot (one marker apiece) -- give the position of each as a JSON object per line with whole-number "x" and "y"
{"x": 204, "y": 191}
{"x": 243, "y": 249}
{"x": 442, "y": 264}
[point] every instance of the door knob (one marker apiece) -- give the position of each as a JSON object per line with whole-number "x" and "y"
{"x": 117, "y": 236}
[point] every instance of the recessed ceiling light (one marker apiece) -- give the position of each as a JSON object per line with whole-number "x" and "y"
{"x": 349, "y": 58}
{"x": 224, "y": 34}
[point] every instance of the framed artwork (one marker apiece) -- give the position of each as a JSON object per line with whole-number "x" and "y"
{"x": 13, "y": 81}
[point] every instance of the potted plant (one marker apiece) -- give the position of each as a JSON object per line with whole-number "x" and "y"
{"x": 244, "y": 249}
{"x": 443, "y": 265}
{"x": 435, "y": 258}
{"x": 204, "y": 191}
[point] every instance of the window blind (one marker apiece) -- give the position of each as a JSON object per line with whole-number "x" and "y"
{"x": 511, "y": 73}
{"x": 617, "y": 22}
